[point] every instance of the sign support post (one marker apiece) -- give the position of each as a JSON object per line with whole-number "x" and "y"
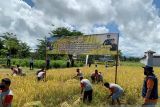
{"x": 117, "y": 55}
{"x": 45, "y": 57}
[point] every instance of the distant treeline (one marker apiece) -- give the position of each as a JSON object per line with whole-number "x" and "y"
{"x": 135, "y": 59}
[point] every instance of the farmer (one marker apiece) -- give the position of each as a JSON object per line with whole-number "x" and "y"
{"x": 96, "y": 76}
{"x": 48, "y": 63}
{"x": 19, "y": 70}
{"x": 86, "y": 90}
{"x": 41, "y": 74}
{"x": 89, "y": 63}
{"x": 100, "y": 77}
{"x": 150, "y": 87}
{"x": 8, "y": 60}
{"x": 68, "y": 63}
{"x": 79, "y": 73}
{"x": 116, "y": 91}
{"x": 31, "y": 63}
{"x": 14, "y": 71}
{"x": 96, "y": 65}
{"x": 6, "y": 94}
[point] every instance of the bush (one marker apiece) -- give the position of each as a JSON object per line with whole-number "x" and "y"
{"x": 41, "y": 63}
{"x": 63, "y": 64}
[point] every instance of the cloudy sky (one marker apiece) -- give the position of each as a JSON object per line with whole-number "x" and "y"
{"x": 137, "y": 21}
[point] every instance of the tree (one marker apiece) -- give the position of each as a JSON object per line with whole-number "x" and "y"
{"x": 1, "y": 44}
{"x": 76, "y": 33}
{"x": 1, "y": 47}
{"x": 11, "y": 43}
{"x": 41, "y": 49}
{"x": 24, "y": 50}
{"x": 62, "y": 31}
{"x": 13, "y": 46}
{"x": 120, "y": 54}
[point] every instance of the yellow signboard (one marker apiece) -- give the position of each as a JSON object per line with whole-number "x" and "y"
{"x": 96, "y": 44}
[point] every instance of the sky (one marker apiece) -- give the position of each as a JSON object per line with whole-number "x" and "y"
{"x": 137, "y": 21}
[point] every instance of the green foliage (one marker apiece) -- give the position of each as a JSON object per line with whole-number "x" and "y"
{"x": 131, "y": 63}
{"x": 10, "y": 44}
{"x": 76, "y": 33}
{"x": 41, "y": 49}
{"x": 63, "y": 64}
{"x": 133, "y": 59}
{"x": 62, "y": 31}
{"x": 3, "y": 52}
{"x": 40, "y": 63}
{"x": 79, "y": 64}
{"x": 1, "y": 44}
{"x": 24, "y": 50}
{"x": 25, "y": 63}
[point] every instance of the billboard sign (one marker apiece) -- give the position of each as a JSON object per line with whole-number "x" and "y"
{"x": 96, "y": 44}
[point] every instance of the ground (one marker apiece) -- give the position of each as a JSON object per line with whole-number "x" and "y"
{"x": 61, "y": 89}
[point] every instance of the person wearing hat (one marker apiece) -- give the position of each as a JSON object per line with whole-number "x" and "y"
{"x": 150, "y": 87}
{"x": 6, "y": 94}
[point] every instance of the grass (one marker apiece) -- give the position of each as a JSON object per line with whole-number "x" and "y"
{"x": 60, "y": 87}
{"x": 129, "y": 63}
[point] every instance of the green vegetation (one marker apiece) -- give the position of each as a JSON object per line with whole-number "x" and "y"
{"x": 131, "y": 63}
{"x": 40, "y": 63}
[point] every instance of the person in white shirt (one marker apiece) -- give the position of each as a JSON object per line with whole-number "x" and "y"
{"x": 86, "y": 90}
{"x": 41, "y": 74}
{"x": 116, "y": 91}
{"x": 14, "y": 71}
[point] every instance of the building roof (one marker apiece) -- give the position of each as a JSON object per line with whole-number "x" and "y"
{"x": 150, "y": 51}
{"x": 156, "y": 56}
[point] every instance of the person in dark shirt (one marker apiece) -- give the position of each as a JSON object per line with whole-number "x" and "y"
{"x": 150, "y": 87}
{"x": 48, "y": 63}
{"x": 31, "y": 64}
{"x": 8, "y": 61}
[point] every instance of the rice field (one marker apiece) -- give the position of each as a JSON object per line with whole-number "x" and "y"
{"x": 61, "y": 90}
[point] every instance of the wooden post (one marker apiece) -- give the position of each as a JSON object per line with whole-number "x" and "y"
{"x": 117, "y": 60}
{"x": 45, "y": 57}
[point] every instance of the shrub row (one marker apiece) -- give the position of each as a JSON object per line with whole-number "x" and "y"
{"x": 41, "y": 63}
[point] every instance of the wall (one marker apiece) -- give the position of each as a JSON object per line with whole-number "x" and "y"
{"x": 156, "y": 61}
